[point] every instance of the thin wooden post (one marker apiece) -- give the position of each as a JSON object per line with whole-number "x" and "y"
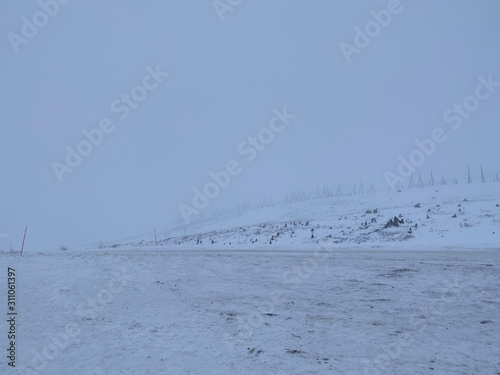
{"x": 22, "y": 247}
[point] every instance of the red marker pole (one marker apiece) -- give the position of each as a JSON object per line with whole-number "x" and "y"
{"x": 156, "y": 242}
{"x": 22, "y": 247}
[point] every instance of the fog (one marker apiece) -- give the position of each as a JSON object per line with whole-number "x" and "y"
{"x": 211, "y": 75}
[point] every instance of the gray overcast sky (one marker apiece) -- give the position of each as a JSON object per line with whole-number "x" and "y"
{"x": 226, "y": 77}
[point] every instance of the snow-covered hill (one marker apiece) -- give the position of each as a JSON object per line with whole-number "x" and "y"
{"x": 242, "y": 306}
{"x": 431, "y": 218}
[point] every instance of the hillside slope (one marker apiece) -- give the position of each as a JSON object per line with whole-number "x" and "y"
{"x": 438, "y": 217}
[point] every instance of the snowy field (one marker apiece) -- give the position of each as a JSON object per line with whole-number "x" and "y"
{"x": 235, "y": 312}
{"x": 326, "y": 286}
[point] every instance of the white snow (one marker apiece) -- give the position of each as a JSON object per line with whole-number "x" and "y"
{"x": 338, "y": 222}
{"x": 341, "y": 312}
{"x": 369, "y": 301}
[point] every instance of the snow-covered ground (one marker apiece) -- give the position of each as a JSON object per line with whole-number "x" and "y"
{"x": 305, "y": 288}
{"x": 446, "y": 217}
{"x": 210, "y": 312}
